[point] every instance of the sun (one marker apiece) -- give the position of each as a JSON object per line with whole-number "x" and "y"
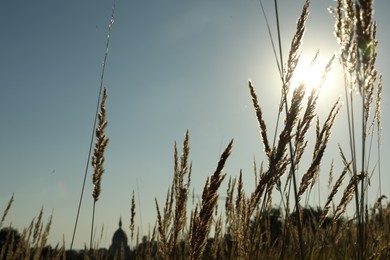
{"x": 312, "y": 73}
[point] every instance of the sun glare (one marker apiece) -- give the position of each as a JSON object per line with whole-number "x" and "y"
{"x": 311, "y": 73}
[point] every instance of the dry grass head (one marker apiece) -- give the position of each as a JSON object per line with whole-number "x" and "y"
{"x": 5, "y": 212}
{"x": 304, "y": 123}
{"x": 162, "y": 235}
{"x": 260, "y": 119}
{"x": 248, "y": 218}
{"x": 347, "y": 197}
{"x": 201, "y": 220}
{"x": 38, "y": 227}
{"x": 229, "y": 205}
{"x": 333, "y": 193}
{"x": 322, "y": 138}
{"x": 173, "y": 221}
{"x": 277, "y": 157}
{"x": 20, "y": 246}
{"x": 181, "y": 190}
{"x": 294, "y": 52}
{"x": 100, "y": 146}
{"x": 132, "y": 217}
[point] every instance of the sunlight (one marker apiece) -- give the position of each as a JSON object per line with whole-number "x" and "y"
{"x": 310, "y": 71}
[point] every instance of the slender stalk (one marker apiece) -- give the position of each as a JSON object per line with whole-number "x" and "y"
{"x": 92, "y": 224}
{"x": 355, "y": 30}
{"x": 279, "y": 37}
{"x": 351, "y": 129}
{"x": 363, "y": 177}
{"x": 284, "y": 94}
{"x": 278, "y": 64}
{"x": 94, "y": 124}
{"x": 297, "y": 210}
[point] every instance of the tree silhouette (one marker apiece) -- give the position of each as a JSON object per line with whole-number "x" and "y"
{"x": 9, "y": 238}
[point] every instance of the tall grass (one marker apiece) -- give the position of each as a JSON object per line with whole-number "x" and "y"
{"x": 250, "y": 227}
{"x": 110, "y": 24}
{"x": 355, "y": 31}
{"x": 98, "y": 157}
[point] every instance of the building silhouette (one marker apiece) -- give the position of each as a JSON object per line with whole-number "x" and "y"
{"x": 119, "y": 244}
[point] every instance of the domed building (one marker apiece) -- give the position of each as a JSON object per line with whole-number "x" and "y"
{"x": 119, "y": 242}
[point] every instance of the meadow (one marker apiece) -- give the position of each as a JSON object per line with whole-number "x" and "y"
{"x": 250, "y": 226}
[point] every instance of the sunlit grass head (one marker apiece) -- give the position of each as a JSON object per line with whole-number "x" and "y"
{"x": 314, "y": 72}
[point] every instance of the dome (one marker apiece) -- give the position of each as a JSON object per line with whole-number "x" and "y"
{"x": 119, "y": 239}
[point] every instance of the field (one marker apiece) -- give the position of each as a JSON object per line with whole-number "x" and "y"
{"x": 250, "y": 226}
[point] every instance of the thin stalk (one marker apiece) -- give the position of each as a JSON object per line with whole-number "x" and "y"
{"x": 350, "y": 117}
{"x": 348, "y": 87}
{"x": 93, "y": 222}
{"x": 279, "y": 38}
{"x": 379, "y": 162}
{"x": 281, "y": 72}
{"x": 290, "y": 143}
{"x": 362, "y": 181}
{"x": 295, "y": 194}
{"x": 94, "y": 123}
{"x": 284, "y": 94}
{"x": 278, "y": 64}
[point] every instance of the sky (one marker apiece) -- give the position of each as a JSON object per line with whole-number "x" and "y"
{"x": 172, "y": 66}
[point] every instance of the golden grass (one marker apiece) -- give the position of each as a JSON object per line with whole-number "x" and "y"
{"x": 98, "y": 157}
{"x": 100, "y": 146}
{"x": 201, "y": 219}
{"x": 251, "y": 228}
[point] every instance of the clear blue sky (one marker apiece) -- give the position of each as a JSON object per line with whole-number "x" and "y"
{"x": 172, "y": 66}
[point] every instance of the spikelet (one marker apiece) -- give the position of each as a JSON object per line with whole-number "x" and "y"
{"x": 181, "y": 191}
{"x": 347, "y": 197}
{"x": 377, "y": 117}
{"x": 330, "y": 177}
{"x": 259, "y": 115}
{"x": 365, "y": 33}
{"x": 22, "y": 245}
{"x": 309, "y": 114}
{"x": 5, "y": 213}
{"x": 229, "y": 206}
{"x": 319, "y": 149}
{"x": 41, "y": 238}
{"x": 294, "y": 53}
{"x": 38, "y": 227}
{"x": 265, "y": 179}
{"x": 132, "y": 217}
{"x": 163, "y": 245}
{"x": 217, "y": 234}
{"x": 168, "y": 212}
{"x": 201, "y": 222}
{"x": 290, "y": 122}
{"x": 240, "y": 194}
{"x": 100, "y": 146}
{"x": 333, "y": 193}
